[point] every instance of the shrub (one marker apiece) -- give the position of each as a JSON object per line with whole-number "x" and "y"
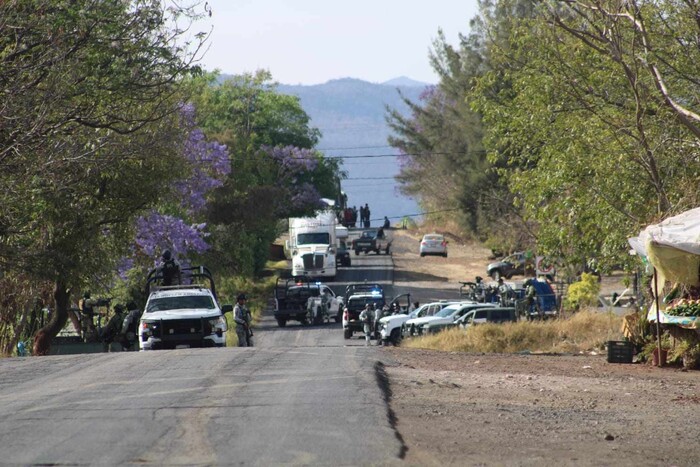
{"x": 582, "y": 293}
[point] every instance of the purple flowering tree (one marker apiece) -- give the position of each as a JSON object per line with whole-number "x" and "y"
{"x": 180, "y": 229}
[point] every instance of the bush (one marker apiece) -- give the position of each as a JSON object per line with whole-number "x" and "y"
{"x": 582, "y": 293}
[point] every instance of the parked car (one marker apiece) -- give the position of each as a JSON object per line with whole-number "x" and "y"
{"x": 487, "y": 315}
{"x": 433, "y": 244}
{"x": 442, "y": 323}
{"x": 390, "y": 326}
{"x": 509, "y": 266}
{"x": 415, "y": 326}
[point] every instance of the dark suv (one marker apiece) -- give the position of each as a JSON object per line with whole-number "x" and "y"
{"x": 509, "y": 266}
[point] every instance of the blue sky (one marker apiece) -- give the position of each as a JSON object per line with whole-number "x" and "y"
{"x": 312, "y": 41}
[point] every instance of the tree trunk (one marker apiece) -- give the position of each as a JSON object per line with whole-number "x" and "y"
{"x": 43, "y": 338}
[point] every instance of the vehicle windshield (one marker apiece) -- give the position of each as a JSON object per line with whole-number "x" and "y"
{"x": 317, "y": 238}
{"x": 368, "y": 234}
{"x": 433, "y": 237}
{"x": 447, "y": 311}
{"x": 358, "y": 303}
{"x": 303, "y": 291}
{"x": 181, "y": 303}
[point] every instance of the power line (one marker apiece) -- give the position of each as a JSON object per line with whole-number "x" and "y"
{"x": 354, "y": 148}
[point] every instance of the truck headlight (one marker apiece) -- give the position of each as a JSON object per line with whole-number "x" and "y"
{"x": 218, "y": 325}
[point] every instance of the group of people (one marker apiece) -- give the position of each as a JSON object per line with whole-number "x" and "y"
{"x": 349, "y": 216}
{"x": 121, "y": 328}
{"x": 370, "y": 316}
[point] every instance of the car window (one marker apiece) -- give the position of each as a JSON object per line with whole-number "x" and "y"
{"x": 447, "y": 311}
{"x": 180, "y": 303}
{"x": 480, "y": 314}
{"x": 433, "y": 237}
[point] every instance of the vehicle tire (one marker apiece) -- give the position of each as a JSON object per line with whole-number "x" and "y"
{"x": 281, "y": 322}
{"x": 495, "y": 275}
{"x": 347, "y": 333}
{"x": 422, "y": 255}
{"x": 387, "y": 250}
{"x": 395, "y": 337}
{"x": 376, "y": 251}
{"x": 337, "y": 319}
{"x": 445, "y": 255}
{"x": 357, "y": 252}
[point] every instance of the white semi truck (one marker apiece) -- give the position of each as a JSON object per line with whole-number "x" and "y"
{"x": 312, "y": 245}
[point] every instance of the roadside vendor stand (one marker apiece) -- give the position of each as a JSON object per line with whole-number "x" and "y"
{"x": 672, "y": 247}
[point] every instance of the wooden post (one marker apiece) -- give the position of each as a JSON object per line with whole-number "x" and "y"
{"x": 658, "y": 317}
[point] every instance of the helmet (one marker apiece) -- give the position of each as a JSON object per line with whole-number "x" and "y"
{"x": 131, "y": 305}
{"x": 167, "y": 255}
{"x": 86, "y": 294}
{"x": 119, "y": 308}
{"x": 241, "y": 296}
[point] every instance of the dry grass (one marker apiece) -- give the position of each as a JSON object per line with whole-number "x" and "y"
{"x": 583, "y": 331}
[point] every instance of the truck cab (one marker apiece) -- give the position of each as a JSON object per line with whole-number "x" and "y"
{"x": 312, "y": 245}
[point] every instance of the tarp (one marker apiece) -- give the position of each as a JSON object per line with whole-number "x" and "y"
{"x": 673, "y": 247}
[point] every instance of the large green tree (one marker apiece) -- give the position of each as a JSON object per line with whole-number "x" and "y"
{"x": 89, "y": 134}
{"x": 590, "y": 130}
{"x": 275, "y": 172}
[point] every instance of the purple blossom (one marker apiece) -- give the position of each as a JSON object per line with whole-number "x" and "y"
{"x": 157, "y": 232}
{"x": 210, "y": 165}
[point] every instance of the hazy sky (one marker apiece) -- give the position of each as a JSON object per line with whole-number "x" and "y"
{"x": 312, "y": 41}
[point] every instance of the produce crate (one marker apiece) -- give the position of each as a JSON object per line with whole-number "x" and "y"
{"x": 620, "y": 352}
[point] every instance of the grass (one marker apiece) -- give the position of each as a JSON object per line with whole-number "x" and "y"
{"x": 583, "y": 331}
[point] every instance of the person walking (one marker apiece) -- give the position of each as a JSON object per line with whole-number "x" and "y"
{"x": 241, "y": 316}
{"x": 366, "y": 318}
{"x": 367, "y": 214}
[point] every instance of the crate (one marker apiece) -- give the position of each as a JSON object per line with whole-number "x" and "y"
{"x": 620, "y": 352}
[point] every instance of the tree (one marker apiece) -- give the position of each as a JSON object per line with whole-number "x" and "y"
{"x": 89, "y": 135}
{"x": 591, "y": 147}
{"x": 275, "y": 173}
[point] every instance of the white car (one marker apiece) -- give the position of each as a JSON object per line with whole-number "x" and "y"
{"x": 182, "y": 316}
{"x": 415, "y": 326}
{"x": 445, "y": 322}
{"x": 390, "y": 326}
{"x": 433, "y": 244}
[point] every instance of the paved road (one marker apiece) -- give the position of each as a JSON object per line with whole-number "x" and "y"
{"x": 303, "y": 396}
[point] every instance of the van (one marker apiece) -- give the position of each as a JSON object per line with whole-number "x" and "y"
{"x": 487, "y": 315}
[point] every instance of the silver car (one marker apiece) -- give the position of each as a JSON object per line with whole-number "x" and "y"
{"x": 433, "y": 244}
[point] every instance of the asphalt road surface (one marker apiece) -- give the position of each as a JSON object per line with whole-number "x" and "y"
{"x": 302, "y": 396}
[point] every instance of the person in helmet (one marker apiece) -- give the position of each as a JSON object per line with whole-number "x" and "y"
{"x": 366, "y": 318}
{"x": 128, "y": 334}
{"x": 170, "y": 269}
{"x": 241, "y": 315}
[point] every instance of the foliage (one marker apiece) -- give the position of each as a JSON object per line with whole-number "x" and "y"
{"x": 582, "y": 293}
{"x": 89, "y": 133}
{"x": 275, "y": 172}
{"x": 584, "y": 331}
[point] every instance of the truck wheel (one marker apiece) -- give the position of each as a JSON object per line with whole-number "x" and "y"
{"x": 395, "y": 336}
{"x": 337, "y": 319}
{"x": 347, "y": 333}
{"x": 387, "y": 250}
{"x": 376, "y": 251}
{"x": 357, "y": 252}
{"x": 422, "y": 255}
{"x": 281, "y": 322}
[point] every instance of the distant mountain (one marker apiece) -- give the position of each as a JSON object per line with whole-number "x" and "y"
{"x": 351, "y": 116}
{"x": 404, "y": 81}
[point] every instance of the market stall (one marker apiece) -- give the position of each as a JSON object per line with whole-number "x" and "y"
{"x": 672, "y": 248}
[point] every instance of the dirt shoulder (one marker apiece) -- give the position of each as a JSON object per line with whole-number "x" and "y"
{"x": 465, "y": 409}
{"x": 459, "y": 409}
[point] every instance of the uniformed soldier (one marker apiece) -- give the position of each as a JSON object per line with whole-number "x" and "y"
{"x": 241, "y": 316}
{"x": 366, "y": 318}
{"x": 113, "y": 328}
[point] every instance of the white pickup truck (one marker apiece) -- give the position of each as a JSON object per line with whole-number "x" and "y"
{"x": 178, "y": 316}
